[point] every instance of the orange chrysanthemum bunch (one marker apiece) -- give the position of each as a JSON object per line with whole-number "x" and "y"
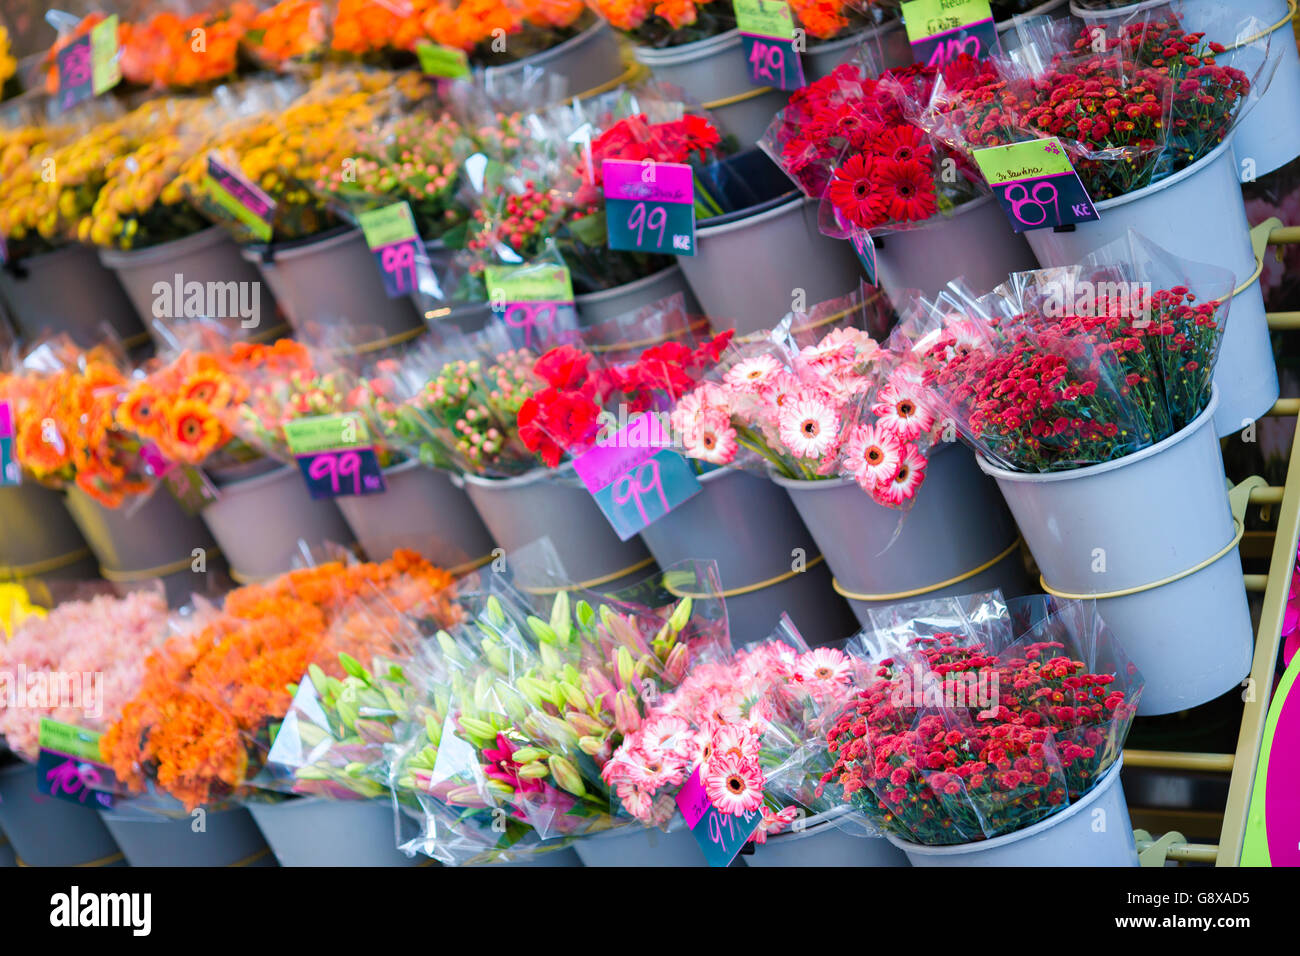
{"x": 203, "y": 713}
{"x": 65, "y": 427}
{"x": 374, "y": 26}
{"x": 289, "y": 30}
{"x": 169, "y": 50}
{"x": 822, "y": 19}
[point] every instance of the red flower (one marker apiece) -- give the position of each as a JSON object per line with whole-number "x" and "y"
{"x": 852, "y": 192}
{"x": 907, "y": 190}
{"x": 563, "y": 366}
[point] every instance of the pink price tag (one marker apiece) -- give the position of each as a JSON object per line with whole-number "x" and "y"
{"x": 640, "y": 439}
{"x": 656, "y": 182}
{"x": 693, "y": 799}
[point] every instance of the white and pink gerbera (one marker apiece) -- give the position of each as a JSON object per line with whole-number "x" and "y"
{"x": 809, "y": 425}
{"x": 752, "y": 373}
{"x": 734, "y": 784}
{"x": 872, "y": 455}
{"x": 712, "y": 438}
{"x": 906, "y": 481}
{"x": 898, "y": 411}
{"x": 823, "y": 665}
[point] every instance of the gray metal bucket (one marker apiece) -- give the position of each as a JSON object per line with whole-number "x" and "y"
{"x": 746, "y": 269}
{"x": 7, "y": 856}
{"x": 258, "y": 522}
{"x": 466, "y": 316}
{"x": 218, "y": 838}
{"x": 751, "y": 529}
{"x": 210, "y": 256}
{"x": 714, "y": 73}
{"x": 421, "y": 509}
{"x": 155, "y": 537}
{"x": 69, "y": 290}
{"x": 46, "y": 831}
{"x": 821, "y": 843}
{"x": 555, "y": 505}
{"x": 333, "y": 281}
{"x": 886, "y": 41}
{"x": 314, "y": 831}
{"x": 1068, "y": 838}
{"x": 597, "y": 307}
{"x": 561, "y": 856}
{"x": 588, "y": 62}
{"x": 975, "y": 243}
{"x": 957, "y": 505}
{"x": 38, "y": 537}
{"x": 641, "y": 846}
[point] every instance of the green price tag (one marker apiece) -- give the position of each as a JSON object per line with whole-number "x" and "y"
{"x": 529, "y": 283}
{"x": 383, "y": 227}
{"x": 765, "y": 18}
{"x": 442, "y": 60}
{"x": 326, "y": 432}
{"x": 927, "y": 18}
{"x": 68, "y": 739}
{"x": 1030, "y": 159}
{"x": 104, "y": 55}
{"x": 1036, "y": 184}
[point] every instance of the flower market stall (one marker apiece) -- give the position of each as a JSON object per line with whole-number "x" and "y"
{"x": 581, "y": 433}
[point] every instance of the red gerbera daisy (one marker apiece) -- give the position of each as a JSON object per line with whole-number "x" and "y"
{"x": 906, "y": 190}
{"x": 852, "y": 192}
{"x": 902, "y": 144}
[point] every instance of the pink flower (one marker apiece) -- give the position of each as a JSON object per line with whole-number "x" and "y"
{"x": 713, "y": 440}
{"x": 809, "y": 425}
{"x": 906, "y": 481}
{"x": 752, "y": 373}
{"x": 901, "y": 413}
{"x": 872, "y": 455}
{"x": 734, "y": 785}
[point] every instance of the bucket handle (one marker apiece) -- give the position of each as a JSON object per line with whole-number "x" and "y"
{"x": 1238, "y": 498}
{"x": 916, "y": 592}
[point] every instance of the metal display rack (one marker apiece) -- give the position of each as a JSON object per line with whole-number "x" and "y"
{"x": 1240, "y": 766}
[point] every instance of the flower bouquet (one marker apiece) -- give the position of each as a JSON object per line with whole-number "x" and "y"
{"x": 8, "y": 65}
{"x": 1066, "y": 368}
{"x": 287, "y": 33}
{"x": 206, "y": 709}
{"x": 934, "y": 764}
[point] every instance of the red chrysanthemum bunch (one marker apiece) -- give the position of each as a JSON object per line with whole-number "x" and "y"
{"x": 968, "y": 770}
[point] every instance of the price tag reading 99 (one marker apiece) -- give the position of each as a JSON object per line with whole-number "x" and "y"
{"x": 392, "y": 237}
{"x": 649, "y": 206}
{"x": 1036, "y": 184}
{"x": 335, "y": 455}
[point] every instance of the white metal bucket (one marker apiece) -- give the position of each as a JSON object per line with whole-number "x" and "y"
{"x": 1135, "y": 521}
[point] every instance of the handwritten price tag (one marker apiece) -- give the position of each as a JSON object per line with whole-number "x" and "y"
{"x": 942, "y": 30}
{"x": 68, "y": 765}
{"x": 1036, "y": 184}
{"x": 88, "y": 65}
{"x": 771, "y": 52}
{"x": 720, "y": 835}
{"x": 635, "y": 476}
{"x": 335, "y": 456}
{"x": 10, "y": 472}
{"x": 238, "y": 195}
{"x": 534, "y": 301}
{"x": 649, "y": 206}
{"x": 391, "y": 235}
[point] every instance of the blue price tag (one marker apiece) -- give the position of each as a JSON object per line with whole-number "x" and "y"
{"x": 649, "y": 226}
{"x": 1036, "y": 184}
{"x": 646, "y": 492}
{"x": 10, "y": 472}
{"x": 866, "y": 250}
{"x": 720, "y": 835}
{"x": 342, "y": 472}
{"x": 773, "y": 62}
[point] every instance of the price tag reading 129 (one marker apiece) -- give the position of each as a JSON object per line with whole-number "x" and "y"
{"x": 767, "y": 31}
{"x": 335, "y": 455}
{"x": 1036, "y": 184}
{"x": 649, "y": 206}
{"x": 942, "y": 30}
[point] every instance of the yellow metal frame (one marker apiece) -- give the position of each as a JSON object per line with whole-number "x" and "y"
{"x": 1275, "y": 585}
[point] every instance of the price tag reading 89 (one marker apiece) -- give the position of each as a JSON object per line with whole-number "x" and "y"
{"x": 1036, "y": 184}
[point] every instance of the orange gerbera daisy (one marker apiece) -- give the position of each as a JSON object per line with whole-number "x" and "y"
{"x": 192, "y": 431}
{"x": 142, "y": 411}
{"x": 208, "y": 387}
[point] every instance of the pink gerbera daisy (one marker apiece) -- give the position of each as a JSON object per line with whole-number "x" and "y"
{"x": 823, "y": 664}
{"x": 734, "y": 785}
{"x": 906, "y": 481}
{"x": 752, "y": 373}
{"x": 809, "y": 426}
{"x": 712, "y": 440}
{"x": 872, "y": 455}
{"x": 900, "y": 413}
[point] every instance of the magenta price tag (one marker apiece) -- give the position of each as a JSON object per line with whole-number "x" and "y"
{"x": 649, "y": 206}
{"x": 10, "y": 471}
{"x": 649, "y": 181}
{"x": 637, "y": 441}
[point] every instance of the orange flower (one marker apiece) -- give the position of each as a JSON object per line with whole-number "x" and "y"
{"x": 142, "y": 411}
{"x": 822, "y": 18}
{"x": 209, "y": 387}
{"x": 192, "y": 431}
